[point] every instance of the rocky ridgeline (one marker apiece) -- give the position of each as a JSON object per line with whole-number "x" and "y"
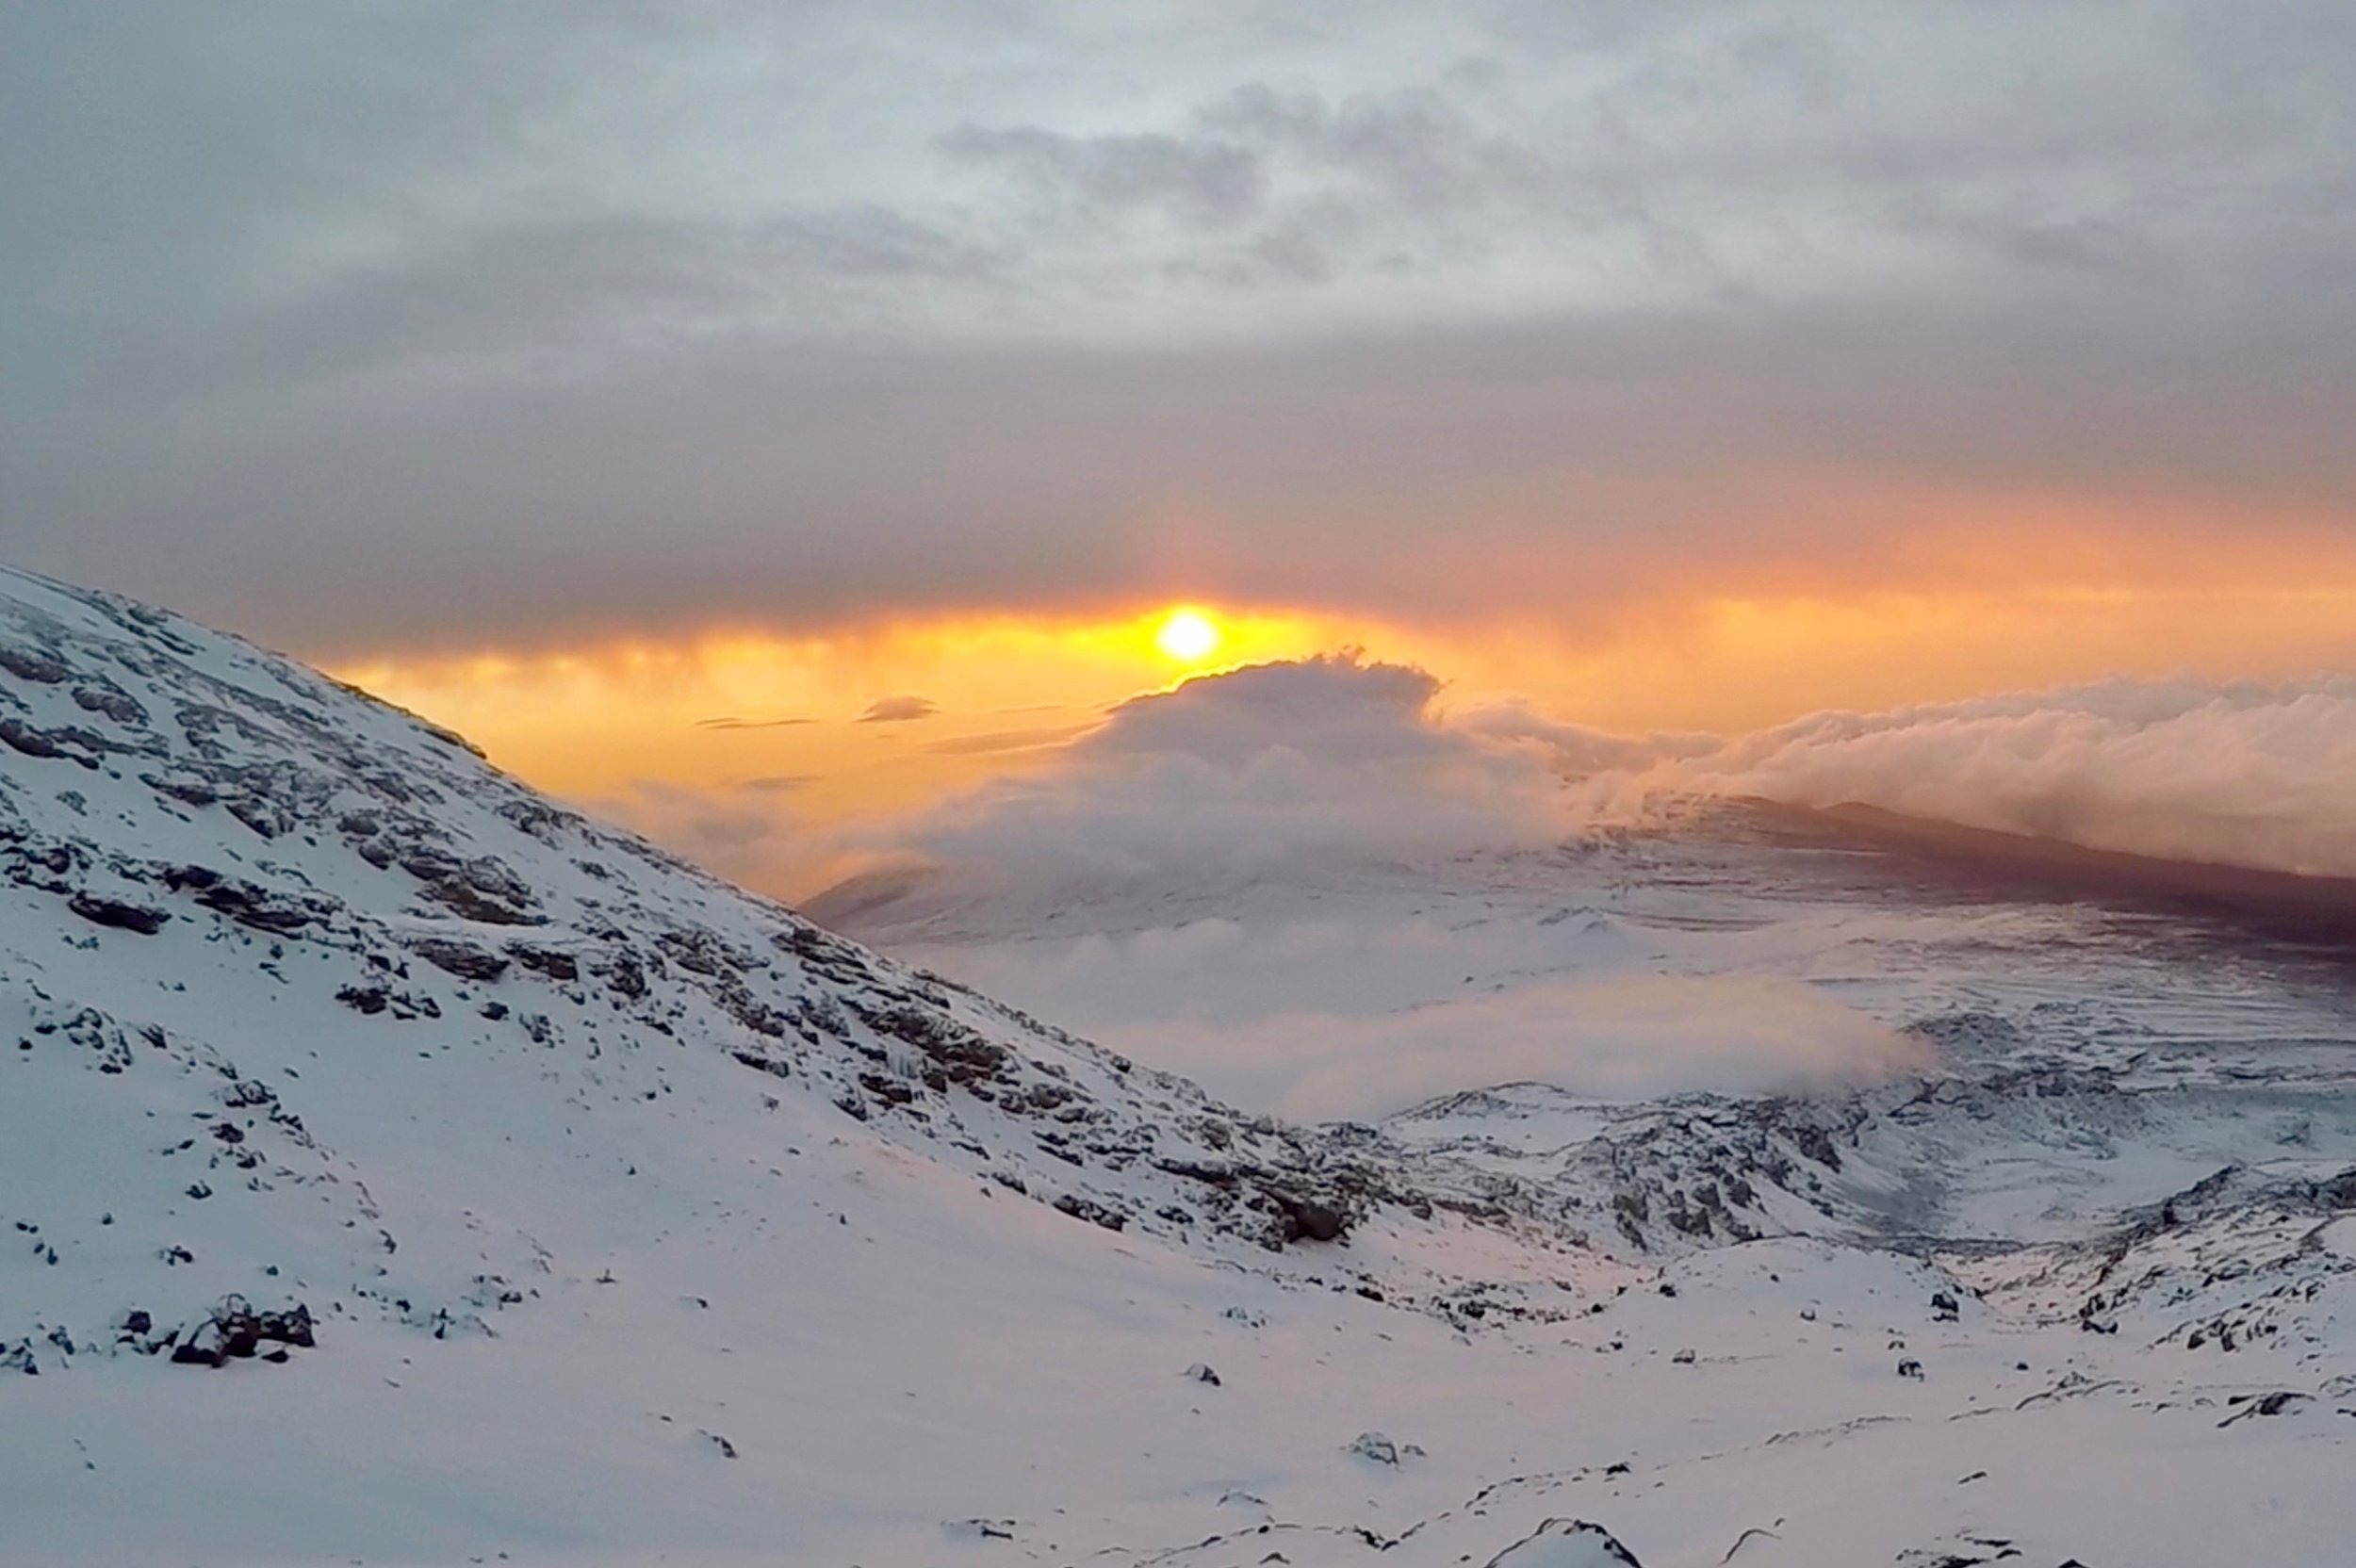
{"x": 2244, "y": 1258}
{"x": 2239, "y": 1260}
{"x": 201, "y": 843}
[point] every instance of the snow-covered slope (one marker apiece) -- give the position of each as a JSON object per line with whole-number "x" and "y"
{"x": 2125, "y": 1136}
{"x": 398, "y": 1167}
{"x": 292, "y": 979}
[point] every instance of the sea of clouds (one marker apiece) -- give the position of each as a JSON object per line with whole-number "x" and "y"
{"x": 1223, "y": 878}
{"x": 1339, "y": 756}
{"x": 2241, "y": 773}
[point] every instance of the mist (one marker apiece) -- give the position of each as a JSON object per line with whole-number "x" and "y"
{"x": 1311, "y": 884}
{"x": 2242, "y": 774}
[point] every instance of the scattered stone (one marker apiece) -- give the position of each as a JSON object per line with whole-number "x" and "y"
{"x": 2263, "y": 1404}
{"x": 555, "y": 963}
{"x": 1566, "y": 1544}
{"x": 463, "y": 959}
{"x": 1092, "y": 1210}
{"x": 1308, "y": 1220}
{"x": 117, "y": 915}
{"x": 34, "y": 664}
{"x": 235, "y": 1331}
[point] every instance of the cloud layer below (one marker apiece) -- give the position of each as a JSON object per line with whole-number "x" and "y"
{"x": 2242, "y": 774}
{"x": 1231, "y": 776}
{"x": 1296, "y": 881}
{"x": 1356, "y": 1016}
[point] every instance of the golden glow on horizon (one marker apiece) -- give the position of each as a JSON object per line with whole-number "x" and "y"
{"x": 718, "y": 708}
{"x": 1188, "y": 636}
{"x": 769, "y": 724}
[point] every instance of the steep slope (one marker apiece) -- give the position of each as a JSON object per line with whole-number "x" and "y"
{"x": 305, "y": 1003}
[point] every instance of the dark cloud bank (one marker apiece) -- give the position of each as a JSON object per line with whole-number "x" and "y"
{"x": 484, "y": 324}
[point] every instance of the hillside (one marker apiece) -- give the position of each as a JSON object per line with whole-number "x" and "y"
{"x": 397, "y": 1165}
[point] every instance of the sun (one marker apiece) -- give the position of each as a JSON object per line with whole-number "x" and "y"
{"x": 1188, "y": 636}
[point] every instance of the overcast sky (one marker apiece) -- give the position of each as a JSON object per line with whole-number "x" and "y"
{"x": 376, "y": 326}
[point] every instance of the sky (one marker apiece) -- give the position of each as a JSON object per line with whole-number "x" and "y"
{"x": 627, "y": 383}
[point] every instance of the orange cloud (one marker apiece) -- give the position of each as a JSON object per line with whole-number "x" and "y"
{"x": 1963, "y": 598}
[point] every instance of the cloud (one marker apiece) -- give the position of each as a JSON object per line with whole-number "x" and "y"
{"x": 749, "y": 724}
{"x": 1578, "y": 749}
{"x": 2245, "y": 772}
{"x": 1204, "y": 181}
{"x": 1336, "y": 758}
{"x": 1267, "y": 873}
{"x": 1230, "y": 777}
{"x": 1003, "y": 740}
{"x": 1369, "y": 1010}
{"x": 1233, "y": 779}
{"x": 744, "y": 831}
{"x": 1619, "y": 1038}
{"x": 899, "y": 710}
{"x": 480, "y": 325}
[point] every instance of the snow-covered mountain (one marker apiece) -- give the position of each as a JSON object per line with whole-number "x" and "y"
{"x": 271, "y": 946}
{"x": 399, "y": 1166}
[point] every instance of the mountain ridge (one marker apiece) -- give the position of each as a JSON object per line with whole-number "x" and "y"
{"x": 176, "y": 790}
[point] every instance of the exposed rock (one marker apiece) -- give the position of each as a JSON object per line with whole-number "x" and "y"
{"x": 247, "y": 902}
{"x": 64, "y": 745}
{"x": 1307, "y": 1218}
{"x": 552, "y": 962}
{"x": 113, "y": 702}
{"x": 1092, "y": 1210}
{"x": 2263, "y": 1404}
{"x": 33, "y": 665}
{"x": 117, "y": 915}
{"x": 235, "y": 1331}
{"x": 463, "y": 959}
{"x": 1565, "y": 1544}
{"x": 369, "y": 1000}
